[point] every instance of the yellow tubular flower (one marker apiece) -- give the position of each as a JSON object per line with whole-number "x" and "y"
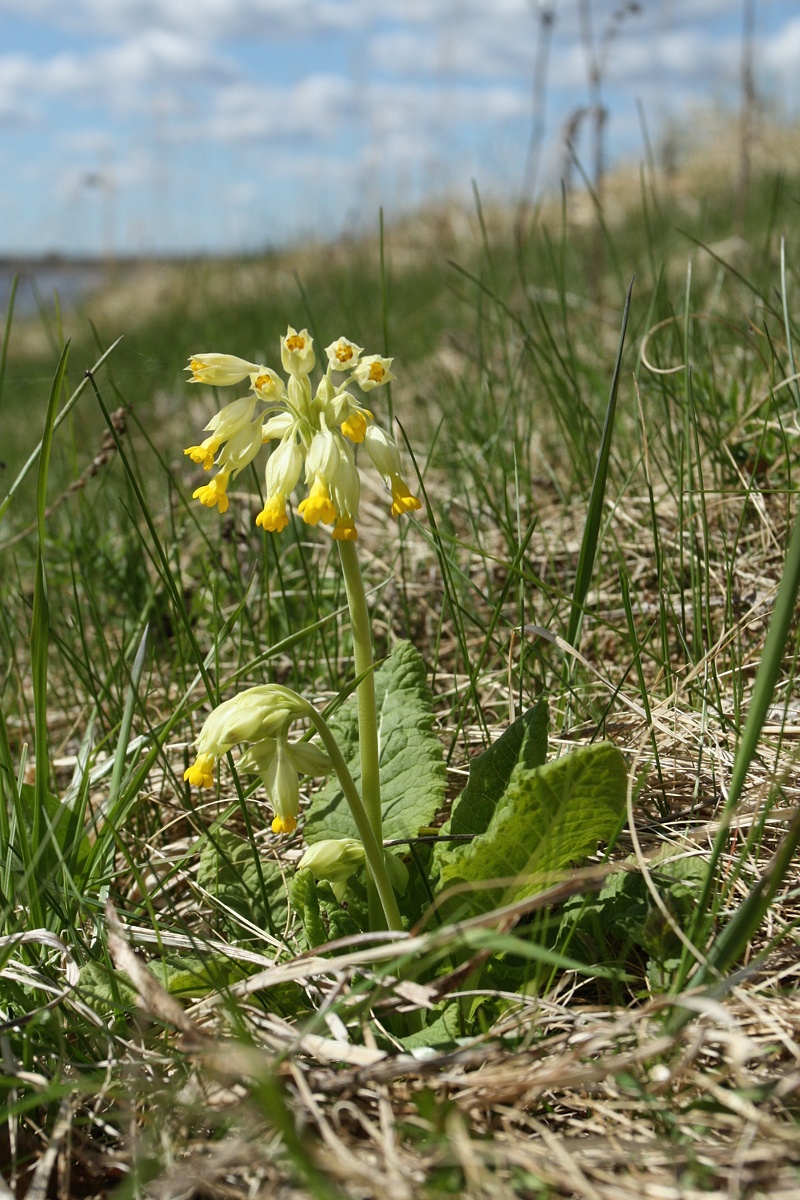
{"x": 283, "y": 787}
{"x": 213, "y": 494}
{"x": 282, "y": 474}
{"x": 317, "y": 505}
{"x": 221, "y": 369}
{"x": 383, "y": 451}
{"x": 273, "y": 517}
{"x": 254, "y": 715}
{"x": 225, "y": 424}
{"x": 346, "y": 491}
{"x": 404, "y": 502}
{"x": 355, "y": 427}
{"x": 201, "y": 772}
{"x": 279, "y": 762}
{"x": 344, "y": 530}
{"x": 203, "y": 454}
{"x": 241, "y": 449}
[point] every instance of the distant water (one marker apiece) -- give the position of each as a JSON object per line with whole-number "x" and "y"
{"x": 39, "y": 281}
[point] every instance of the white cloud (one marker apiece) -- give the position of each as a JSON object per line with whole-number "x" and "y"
{"x": 381, "y": 101}
{"x": 780, "y": 53}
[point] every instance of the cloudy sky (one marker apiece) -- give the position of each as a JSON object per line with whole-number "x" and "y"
{"x": 180, "y": 125}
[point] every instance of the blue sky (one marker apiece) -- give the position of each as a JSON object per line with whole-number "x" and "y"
{"x": 179, "y": 125}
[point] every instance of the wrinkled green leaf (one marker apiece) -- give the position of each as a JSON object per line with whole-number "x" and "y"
{"x": 106, "y": 990}
{"x": 523, "y": 742}
{"x": 623, "y": 912}
{"x": 228, "y": 871}
{"x": 412, "y": 761}
{"x": 191, "y": 975}
{"x": 550, "y": 816}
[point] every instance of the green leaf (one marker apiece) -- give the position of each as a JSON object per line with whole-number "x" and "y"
{"x": 550, "y": 816}
{"x": 412, "y": 761}
{"x": 523, "y": 742}
{"x": 106, "y": 990}
{"x": 228, "y": 871}
{"x": 191, "y": 975}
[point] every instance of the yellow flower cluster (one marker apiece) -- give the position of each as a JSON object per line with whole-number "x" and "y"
{"x": 313, "y": 430}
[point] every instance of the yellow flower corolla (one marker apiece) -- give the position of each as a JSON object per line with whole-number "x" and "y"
{"x": 273, "y": 517}
{"x": 315, "y": 429}
{"x": 201, "y": 773}
{"x": 213, "y": 494}
{"x": 403, "y": 501}
{"x": 344, "y": 530}
{"x": 317, "y": 505}
{"x": 355, "y": 427}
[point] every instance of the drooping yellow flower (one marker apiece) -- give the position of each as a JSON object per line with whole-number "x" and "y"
{"x": 254, "y": 715}
{"x": 214, "y": 494}
{"x": 355, "y": 427}
{"x": 317, "y": 505}
{"x": 224, "y": 424}
{"x": 344, "y": 529}
{"x": 201, "y": 773}
{"x": 261, "y": 717}
{"x": 383, "y": 451}
{"x": 203, "y": 454}
{"x": 403, "y": 501}
{"x": 273, "y": 517}
{"x": 281, "y": 476}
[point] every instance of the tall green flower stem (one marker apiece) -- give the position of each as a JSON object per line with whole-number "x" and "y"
{"x": 367, "y": 709}
{"x": 373, "y": 845}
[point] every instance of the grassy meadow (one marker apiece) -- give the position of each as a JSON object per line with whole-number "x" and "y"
{"x": 608, "y": 525}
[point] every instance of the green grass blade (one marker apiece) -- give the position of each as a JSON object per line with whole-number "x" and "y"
{"x": 127, "y": 720}
{"x": 594, "y": 512}
{"x": 40, "y": 639}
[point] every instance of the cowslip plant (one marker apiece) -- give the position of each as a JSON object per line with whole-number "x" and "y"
{"x": 519, "y": 822}
{"x": 316, "y": 431}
